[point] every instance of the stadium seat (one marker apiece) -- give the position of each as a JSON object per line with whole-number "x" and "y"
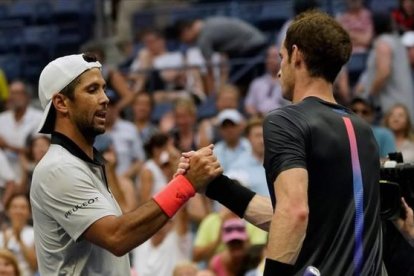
{"x": 11, "y": 65}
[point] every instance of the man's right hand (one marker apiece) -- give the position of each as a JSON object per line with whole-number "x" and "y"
{"x": 203, "y": 167}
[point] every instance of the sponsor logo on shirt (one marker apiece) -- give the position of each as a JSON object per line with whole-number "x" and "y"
{"x": 80, "y": 206}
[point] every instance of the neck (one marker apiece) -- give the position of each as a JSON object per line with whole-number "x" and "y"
{"x": 316, "y": 87}
{"x": 141, "y": 123}
{"x": 258, "y": 155}
{"x": 86, "y": 145}
{"x": 19, "y": 113}
{"x": 232, "y": 144}
{"x": 399, "y": 136}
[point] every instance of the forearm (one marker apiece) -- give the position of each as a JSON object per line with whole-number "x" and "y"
{"x": 286, "y": 235}
{"x": 131, "y": 229}
{"x": 29, "y": 254}
{"x": 259, "y": 212}
{"x": 115, "y": 189}
{"x": 204, "y": 253}
{"x": 378, "y": 83}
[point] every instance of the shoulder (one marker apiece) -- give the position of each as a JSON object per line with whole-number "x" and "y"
{"x": 5, "y": 115}
{"x": 126, "y": 126}
{"x": 34, "y": 111}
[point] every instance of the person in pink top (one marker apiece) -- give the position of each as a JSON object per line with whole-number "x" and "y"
{"x": 230, "y": 261}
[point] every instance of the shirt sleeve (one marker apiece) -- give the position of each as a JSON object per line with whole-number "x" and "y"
{"x": 284, "y": 141}
{"x": 72, "y": 199}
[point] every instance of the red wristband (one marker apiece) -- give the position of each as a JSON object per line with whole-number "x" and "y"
{"x": 177, "y": 192}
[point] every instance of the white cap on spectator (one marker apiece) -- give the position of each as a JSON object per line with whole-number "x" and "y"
{"x": 56, "y": 76}
{"x": 407, "y": 39}
{"x": 230, "y": 115}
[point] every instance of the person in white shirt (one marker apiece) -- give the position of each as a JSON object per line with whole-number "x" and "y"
{"x": 125, "y": 137}
{"x": 265, "y": 93}
{"x": 7, "y": 182}
{"x": 17, "y": 123}
{"x": 19, "y": 236}
{"x": 170, "y": 246}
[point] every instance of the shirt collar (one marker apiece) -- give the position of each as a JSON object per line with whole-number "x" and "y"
{"x": 68, "y": 144}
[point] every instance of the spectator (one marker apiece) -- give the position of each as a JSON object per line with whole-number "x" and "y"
{"x": 384, "y": 137}
{"x": 125, "y": 137}
{"x": 265, "y": 93}
{"x": 387, "y": 79}
{"x": 17, "y": 123}
{"x": 170, "y": 246}
{"x": 4, "y": 90}
{"x": 19, "y": 236}
{"x": 230, "y": 261}
{"x": 233, "y": 146}
{"x": 404, "y": 16}
{"x": 250, "y": 167}
{"x": 185, "y": 133}
{"x": 208, "y": 240}
{"x": 227, "y": 98}
{"x": 121, "y": 186}
{"x": 357, "y": 21}
{"x": 156, "y": 69}
{"x": 36, "y": 147}
{"x": 159, "y": 168}
{"x": 408, "y": 41}
{"x": 8, "y": 263}
{"x": 236, "y": 39}
{"x": 114, "y": 79}
{"x": 7, "y": 183}
{"x": 397, "y": 119}
{"x": 142, "y": 107}
{"x": 154, "y": 47}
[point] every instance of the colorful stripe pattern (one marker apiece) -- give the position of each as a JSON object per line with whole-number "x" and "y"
{"x": 358, "y": 197}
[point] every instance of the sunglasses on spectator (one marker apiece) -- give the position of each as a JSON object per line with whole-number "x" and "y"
{"x": 234, "y": 228}
{"x": 362, "y": 111}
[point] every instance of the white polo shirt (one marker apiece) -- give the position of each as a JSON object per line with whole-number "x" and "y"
{"x": 69, "y": 193}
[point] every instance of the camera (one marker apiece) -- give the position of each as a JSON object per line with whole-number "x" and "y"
{"x": 396, "y": 181}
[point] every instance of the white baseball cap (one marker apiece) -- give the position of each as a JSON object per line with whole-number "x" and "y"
{"x": 407, "y": 39}
{"x": 56, "y": 76}
{"x": 231, "y": 115}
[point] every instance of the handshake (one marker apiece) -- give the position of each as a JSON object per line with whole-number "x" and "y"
{"x": 199, "y": 167}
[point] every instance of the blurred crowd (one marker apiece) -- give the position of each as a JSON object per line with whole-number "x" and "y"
{"x": 165, "y": 102}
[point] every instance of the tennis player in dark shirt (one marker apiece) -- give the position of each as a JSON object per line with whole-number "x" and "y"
{"x": 322, "y": 165}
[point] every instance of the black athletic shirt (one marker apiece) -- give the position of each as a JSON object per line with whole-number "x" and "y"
{"x": 339, "y": 151}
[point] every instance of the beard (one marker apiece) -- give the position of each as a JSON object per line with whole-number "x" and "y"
{"x": 88, "y": 130}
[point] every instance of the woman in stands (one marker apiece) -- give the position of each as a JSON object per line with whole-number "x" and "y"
{"x": 397, "y": 119}
{"x": 19, "y": 236}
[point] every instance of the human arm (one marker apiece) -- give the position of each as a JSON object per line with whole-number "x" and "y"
{"x": 120, "y": 85}
{"x": 383, "y": 59}
{"x": 113, "y": 179}
{"x": 290, "y": 219}
{"x": 146, "y": 184}
{"x": 256, "y": 209}
{"x": 28, "y": 251}
{"x": 406, "y": 226}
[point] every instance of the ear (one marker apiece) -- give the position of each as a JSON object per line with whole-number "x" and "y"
{"x": 60, "y": 102}
{"x": 297, "y": 57}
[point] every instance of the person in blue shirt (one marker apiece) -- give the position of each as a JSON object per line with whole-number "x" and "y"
{"x": 384, "y": 137}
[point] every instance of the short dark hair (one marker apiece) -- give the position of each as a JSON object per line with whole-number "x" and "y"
{"x": 325, "y": 45}
{"x": 184, "y": 24}
{"x": 157, "y": 140}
